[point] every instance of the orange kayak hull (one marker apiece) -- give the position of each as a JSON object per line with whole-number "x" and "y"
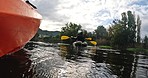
{"x": 19, "y": 22}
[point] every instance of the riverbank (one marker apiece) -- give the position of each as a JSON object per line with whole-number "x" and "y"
{"x": 137, "y": 49}
{"x": 128, "y": 49}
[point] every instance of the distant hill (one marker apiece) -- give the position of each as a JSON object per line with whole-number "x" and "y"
{"x": 47, "y": 36}
{"x": 45, "y": 33}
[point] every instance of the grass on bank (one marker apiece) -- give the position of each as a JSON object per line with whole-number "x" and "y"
{"x": 129, "y": 49}
{"x": 137, "y": 49}
{"x": 105, "y": 47}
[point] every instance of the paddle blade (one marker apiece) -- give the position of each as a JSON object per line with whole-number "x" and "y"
{"x": 88, "y": 38}
{"x": 93, "y": 42}
{"x": 64, "y": 37}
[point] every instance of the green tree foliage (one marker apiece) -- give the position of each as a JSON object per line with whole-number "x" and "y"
{"x": 145, "y": 42}
{"x": 138, "y": 28}
{"x": 91, "y": 35}
{"x": 100, "y": 32}
{"x": 101, "y": 35}
{"x": 124, "y": 32}
{"x": 131, "y": 28}
{"x": 71, "y": 29}
{"x": 119, "y": 36}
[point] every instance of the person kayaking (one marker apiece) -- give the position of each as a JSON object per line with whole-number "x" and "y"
{"x": 80, "y": 36}
{"x": 80, "y": 40}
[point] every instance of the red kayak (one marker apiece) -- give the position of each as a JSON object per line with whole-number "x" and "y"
{"x": 19, "y": 22}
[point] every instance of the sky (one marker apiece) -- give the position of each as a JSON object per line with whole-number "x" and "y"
{"x": 88, "y": 13}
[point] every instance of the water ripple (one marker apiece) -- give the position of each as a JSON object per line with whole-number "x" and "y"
{"x": 46, "y": 60}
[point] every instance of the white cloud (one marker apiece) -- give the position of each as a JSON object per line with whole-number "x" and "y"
{"x": 50, "y": 25}
{"x": 88, "y": 13}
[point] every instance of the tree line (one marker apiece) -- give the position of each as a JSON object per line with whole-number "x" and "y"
{"x": 121, "y": 34}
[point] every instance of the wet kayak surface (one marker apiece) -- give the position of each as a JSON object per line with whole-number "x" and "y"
{"x": 46, "y": 60}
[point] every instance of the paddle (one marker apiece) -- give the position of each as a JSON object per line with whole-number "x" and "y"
{"x": 92, "y": 42}
{"x": 88, "y": 39}
{"x": 64, "y": 37}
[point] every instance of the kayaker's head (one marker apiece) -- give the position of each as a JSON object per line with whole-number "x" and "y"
{"x": 80, "y": 33}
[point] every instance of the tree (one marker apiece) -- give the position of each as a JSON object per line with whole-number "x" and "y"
{"x": 124, "y": 32}
{"x": 131, "y": 28}
{"x": 71, "y": 29}
{"x": 100, "y": 32}
{"x": 145, "y": 44}
{"x": 138, "y": 28}
{"x": 91, "y": 35}
{"x": 100, "y": 35}
{"x": 118, "y": 34}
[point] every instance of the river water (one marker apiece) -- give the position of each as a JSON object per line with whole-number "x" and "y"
{"x": 46, "y": 60}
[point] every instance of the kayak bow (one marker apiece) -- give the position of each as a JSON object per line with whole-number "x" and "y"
{"x": 19, "y": 22}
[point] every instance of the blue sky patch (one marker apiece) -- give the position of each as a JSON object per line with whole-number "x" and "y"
{"x": 140, "y": 2}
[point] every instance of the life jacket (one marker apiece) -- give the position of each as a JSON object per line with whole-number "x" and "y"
{"x": 80, "y": 37}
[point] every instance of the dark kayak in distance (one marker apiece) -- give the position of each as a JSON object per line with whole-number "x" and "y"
{"x": 19, "y": 22}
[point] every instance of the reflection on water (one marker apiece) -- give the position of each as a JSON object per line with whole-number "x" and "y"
{"x": 17, "y": 65}
{"x": 44, "y": 60}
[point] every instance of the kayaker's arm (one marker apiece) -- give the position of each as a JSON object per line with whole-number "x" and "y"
{"x": 31, "y": 4}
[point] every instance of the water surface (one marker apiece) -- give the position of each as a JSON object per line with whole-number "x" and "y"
{"x": 46, "y": 60}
